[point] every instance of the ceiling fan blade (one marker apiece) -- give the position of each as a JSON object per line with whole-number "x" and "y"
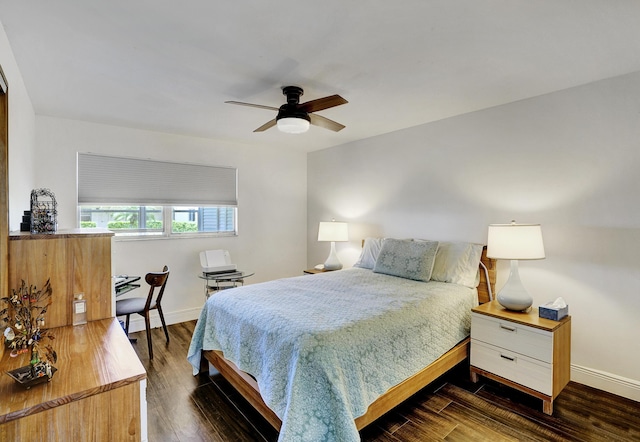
{"x": 266, "y": 126}
{"x": 322, "y": 103}
{"x": 320, "y": 121}
{"x": 260, "y": 106}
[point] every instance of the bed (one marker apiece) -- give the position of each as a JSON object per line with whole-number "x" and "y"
{"x": 322, "y": 356}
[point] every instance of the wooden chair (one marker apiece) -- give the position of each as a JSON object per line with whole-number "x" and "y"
{"x": 142, "y": 306}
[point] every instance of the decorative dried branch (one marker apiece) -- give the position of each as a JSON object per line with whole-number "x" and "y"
{"x": 24, "y": 320}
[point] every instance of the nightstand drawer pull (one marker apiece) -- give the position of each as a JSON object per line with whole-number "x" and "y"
{"x": 508, "y": 358}
{"x": 510, "y": 329}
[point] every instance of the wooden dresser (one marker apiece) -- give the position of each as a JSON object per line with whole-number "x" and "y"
{"x": 99, "y": 390}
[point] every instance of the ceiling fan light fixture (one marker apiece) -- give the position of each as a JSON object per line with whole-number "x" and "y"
{"x": 295, "y": 117}
{"x": 293, "y": 125}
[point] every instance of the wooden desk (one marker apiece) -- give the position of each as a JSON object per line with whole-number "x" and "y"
{"x": 124, "y": 284}
{"x": 98, "y": 392}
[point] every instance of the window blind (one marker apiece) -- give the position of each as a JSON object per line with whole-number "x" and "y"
{"x": 117, "y": 180}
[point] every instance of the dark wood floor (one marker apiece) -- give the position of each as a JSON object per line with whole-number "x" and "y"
{"x": 182, "y": 407}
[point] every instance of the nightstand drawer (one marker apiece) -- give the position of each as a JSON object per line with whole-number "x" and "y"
{"x": 516, "y": 367}
{"x": 528, "y": 341}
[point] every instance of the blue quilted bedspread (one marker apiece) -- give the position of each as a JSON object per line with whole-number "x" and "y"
{"x": 324, "y": 347}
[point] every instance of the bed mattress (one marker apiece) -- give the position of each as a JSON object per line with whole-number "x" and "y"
{"x": 322, "y": 348}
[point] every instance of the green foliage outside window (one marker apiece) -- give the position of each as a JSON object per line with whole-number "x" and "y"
{"x": 184, "y": 226}
{"x": 119, "y": 225}
{"x": 177, "y": 226}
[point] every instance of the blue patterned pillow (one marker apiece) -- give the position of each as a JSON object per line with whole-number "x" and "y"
{"x": 407, "y": 259}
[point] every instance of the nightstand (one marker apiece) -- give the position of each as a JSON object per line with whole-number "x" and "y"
{"x": 521, "y": 350}
{"x": 314, "y": 271}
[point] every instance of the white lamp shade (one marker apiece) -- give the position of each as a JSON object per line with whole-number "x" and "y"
{"x": 515, "y": 241}
{"x": 333, "y": 231}
{"x": 293, "y": 125}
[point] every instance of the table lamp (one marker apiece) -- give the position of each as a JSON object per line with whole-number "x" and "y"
{"x": 515, "y": 242}
{"x": 333, "y": 231}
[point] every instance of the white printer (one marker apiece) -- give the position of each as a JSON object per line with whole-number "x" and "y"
{"x": 216, "y": 261}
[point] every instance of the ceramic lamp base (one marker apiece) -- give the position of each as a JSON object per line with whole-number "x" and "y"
{"x": 332, "y": 262}
{"x": 513, "y": 296}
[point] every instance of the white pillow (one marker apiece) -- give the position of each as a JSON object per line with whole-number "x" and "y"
{"x": 369, "y": 253}
{"x": 457, "y": 262}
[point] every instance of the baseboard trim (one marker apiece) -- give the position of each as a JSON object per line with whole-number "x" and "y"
{"x": 608, "y": 382}
{"x": 137, "y": 322}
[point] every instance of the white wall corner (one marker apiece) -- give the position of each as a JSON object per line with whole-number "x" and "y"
{"x": 628, "y": 388}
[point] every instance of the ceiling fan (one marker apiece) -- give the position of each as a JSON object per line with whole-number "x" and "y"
{"x": 295, "y": 117}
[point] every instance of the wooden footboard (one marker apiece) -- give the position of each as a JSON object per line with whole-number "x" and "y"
{"x": 245, "y": 384}
{"x": 248, "y": 387}
{"x": 407, "y": 388}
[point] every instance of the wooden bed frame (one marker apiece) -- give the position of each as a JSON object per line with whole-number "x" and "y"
{"x": 248, "y": 387}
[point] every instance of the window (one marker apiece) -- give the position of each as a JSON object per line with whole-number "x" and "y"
{"x": 150, "y": 220}
{"x": 181, "y": 199}
{"x": 124, "y": 219}
{"x": 203, "y": 219}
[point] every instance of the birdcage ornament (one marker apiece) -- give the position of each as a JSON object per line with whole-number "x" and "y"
{"x": 44, "y": 211}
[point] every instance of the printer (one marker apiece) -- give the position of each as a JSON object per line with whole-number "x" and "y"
{"x": 216, "y": 261}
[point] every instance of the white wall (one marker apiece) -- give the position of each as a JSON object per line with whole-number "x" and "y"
{"x": 21, "y": 136}
{"x": 271, "y": 204}
{"x": 567, "y": 160}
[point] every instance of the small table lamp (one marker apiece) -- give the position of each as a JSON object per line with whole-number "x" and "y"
{"x": 332, "y": 231}
{"x": 514, "y": 242}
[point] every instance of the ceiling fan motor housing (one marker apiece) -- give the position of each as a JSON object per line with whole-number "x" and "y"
{"x": 291, "y": 110}
{"x": 293, "y": 94}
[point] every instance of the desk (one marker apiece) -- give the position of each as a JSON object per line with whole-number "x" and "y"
{"x": 124, "y": 284}
{"x": 214, "y": 282}
{"x": 98, "y": 392}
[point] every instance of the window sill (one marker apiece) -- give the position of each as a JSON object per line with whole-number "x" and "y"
{"x": 124, "y": 238}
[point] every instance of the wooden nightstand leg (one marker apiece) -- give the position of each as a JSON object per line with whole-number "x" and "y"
{"x": 474, "y": 377}
{"x": 547, "y": 407}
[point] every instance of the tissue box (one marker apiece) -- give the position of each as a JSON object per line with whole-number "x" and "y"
{"x": 547, "y": 311}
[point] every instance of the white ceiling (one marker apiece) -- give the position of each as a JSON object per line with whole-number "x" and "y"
{"x": 169, "y": 66}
